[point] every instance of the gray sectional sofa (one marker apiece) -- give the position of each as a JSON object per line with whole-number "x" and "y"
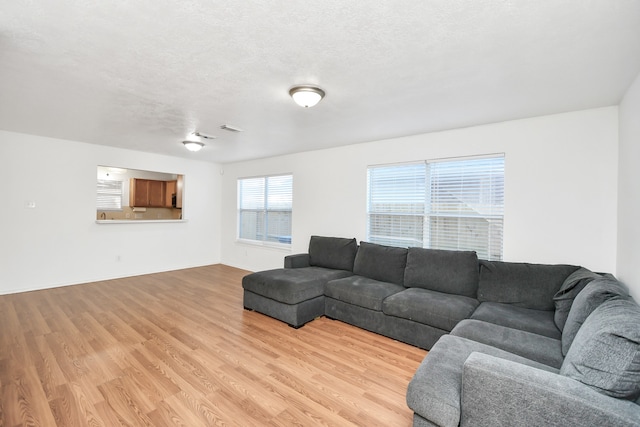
{"x": 509, "y": 343}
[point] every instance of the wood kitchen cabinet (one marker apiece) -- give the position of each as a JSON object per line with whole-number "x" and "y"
{"x": 156, "y": 193}
{"x": 170, "y": 191}
{"x": 147, "y": 193}
{"x": 138, "y": 192}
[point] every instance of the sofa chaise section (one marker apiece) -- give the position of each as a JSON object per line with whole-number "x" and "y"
{"x": 296, "y": 295}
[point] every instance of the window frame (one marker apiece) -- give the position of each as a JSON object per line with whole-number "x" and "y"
{"x": 283, "y": 241}
{"x": 485, "y": 222}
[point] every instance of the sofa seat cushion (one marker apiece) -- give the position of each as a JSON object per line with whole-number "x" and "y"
{"x": 435, "y": 390}
{"x": 431, "y": 308}
{"x": 452, "y": 272}
{"x": 383, "y": 263}
{"x": 361, "y": 291}
{"x": 539, "y": 322}
{"x": 521, "y": 284}
{"x": 605, "y": 354}
{"x": 291, "y": 285}
{"x": 594, "y": 293}
{"x": 332, "y": 252}
{"x": 526, "y": 344}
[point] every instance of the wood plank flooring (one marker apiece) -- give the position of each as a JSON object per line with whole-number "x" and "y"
{"x": 178, "y": 349}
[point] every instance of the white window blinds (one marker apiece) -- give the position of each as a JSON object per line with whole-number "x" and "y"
{"x": 397, "y": 204}
{"x": 109, "y": 195}
{"x": 265, "y": 208}
{"x": 454, "y": 205}
{"x": 466, "y": 206}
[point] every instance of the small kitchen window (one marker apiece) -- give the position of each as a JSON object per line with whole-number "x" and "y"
{"x": 109, "y": 195}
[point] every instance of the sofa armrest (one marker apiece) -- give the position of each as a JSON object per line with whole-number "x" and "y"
{"x": 498, "y": 392}
{"x": 296, "y": 261}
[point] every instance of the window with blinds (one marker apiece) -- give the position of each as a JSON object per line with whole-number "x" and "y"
{"x": 109, "y": 195}
{"x": 452, "y": 204}
{"x": 265, "y": 209}
{"x": 396, "y": 204}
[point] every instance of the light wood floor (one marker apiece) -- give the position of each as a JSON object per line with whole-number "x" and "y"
{"x": 178, "y": 349}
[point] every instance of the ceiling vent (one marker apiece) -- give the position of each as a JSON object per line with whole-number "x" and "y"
{"x": 202, "y": 135}
{"x": 230, "y": 128}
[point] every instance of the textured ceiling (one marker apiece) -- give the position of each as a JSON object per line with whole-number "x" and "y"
{"x": 145, "y": 74}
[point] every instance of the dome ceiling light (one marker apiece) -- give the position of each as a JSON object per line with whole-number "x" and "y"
{"x": 193, "y": 145}
{"x": 306, "y": 96}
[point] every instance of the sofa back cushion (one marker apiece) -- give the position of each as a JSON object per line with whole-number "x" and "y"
{"x": 332, "y": 252}
{"x": 383, "y": 263}
{"x": 593, "y": 295}
{"x": 521, "y": 284}
{"x": 563, "y": 299}
{"x": 605, "y": 354}
{"x": 451, "y": 272}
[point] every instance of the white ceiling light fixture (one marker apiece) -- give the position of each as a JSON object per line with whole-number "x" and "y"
{"x": 193, "y": 145}
{"x": 306, "y": 96}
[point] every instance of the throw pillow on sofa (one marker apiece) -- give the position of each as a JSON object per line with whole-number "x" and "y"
{"x": 383, "y": 263}
{"x": 595, "y": 293}
{"x": 605, "y": 354}
{"x": 563, "y": 299}
{"x": 451, "y": 272}
{"x": 332, "y": 252}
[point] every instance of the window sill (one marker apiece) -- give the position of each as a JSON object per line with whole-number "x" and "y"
{"x": 138, "y": 221}
{"x": 267, "y": 245}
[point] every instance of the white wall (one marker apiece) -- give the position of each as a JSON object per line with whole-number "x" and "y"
{"x": 561, "y": 188}
{"x": 629, "y": 190}
{"x": 59, "y": 243}
{"x": 561, "y": 199}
